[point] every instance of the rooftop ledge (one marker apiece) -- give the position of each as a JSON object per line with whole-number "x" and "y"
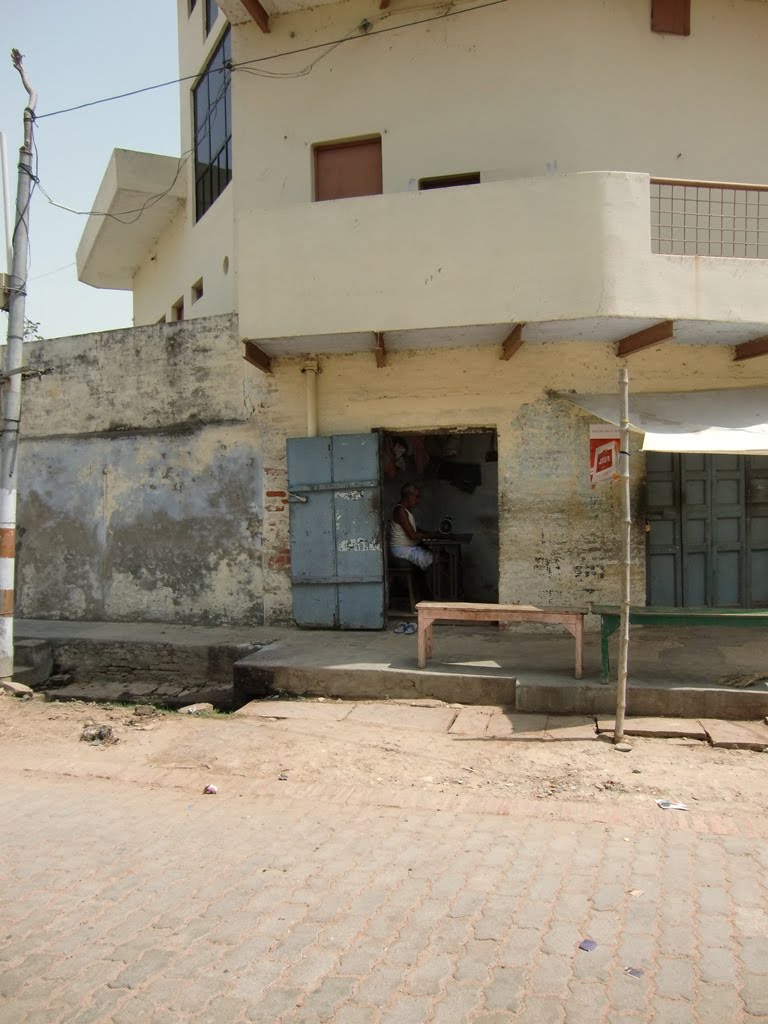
{"x": 111, "y": 250}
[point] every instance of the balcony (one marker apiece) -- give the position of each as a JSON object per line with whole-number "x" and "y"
{"x": 139, "y": 196}
{"x": 570, "y": 256}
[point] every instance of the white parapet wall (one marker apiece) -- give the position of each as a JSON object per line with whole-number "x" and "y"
{"x": 537, "y": 249}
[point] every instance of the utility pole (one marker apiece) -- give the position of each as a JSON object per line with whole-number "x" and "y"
{"x": 11, "y": 381}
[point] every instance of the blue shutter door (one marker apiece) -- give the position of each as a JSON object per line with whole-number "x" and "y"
{"x": 337, "y": 562}
{"x": 708, "y": 538}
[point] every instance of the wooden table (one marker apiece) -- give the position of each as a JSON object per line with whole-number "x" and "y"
{"x": 430, "y": 612}
{"x": 639, "y": 615}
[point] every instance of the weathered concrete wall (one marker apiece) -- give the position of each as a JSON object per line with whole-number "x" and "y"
{"x": 141, "y": 479}
{"x": 153, "y": 474}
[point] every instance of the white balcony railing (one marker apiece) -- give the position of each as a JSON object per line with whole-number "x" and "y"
{"x": 709, "y": 218}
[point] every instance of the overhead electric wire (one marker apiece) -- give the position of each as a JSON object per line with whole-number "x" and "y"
{"x": 359, "y": 32}
{"x": 200, "y": 136}
{"x": 286, "y": 53}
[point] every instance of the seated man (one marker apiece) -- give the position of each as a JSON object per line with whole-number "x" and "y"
{"x": 405, "y": 535}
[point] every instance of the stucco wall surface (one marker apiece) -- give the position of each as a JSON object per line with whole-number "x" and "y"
{"x": 186, "y": 253}
{"x": 517, "y": 90}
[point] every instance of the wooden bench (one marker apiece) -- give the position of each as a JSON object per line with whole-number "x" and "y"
{"x": 610, "y": 618}
{"x": 430, "y": 612}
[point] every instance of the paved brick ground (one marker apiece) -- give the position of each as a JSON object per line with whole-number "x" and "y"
{"x": 125, "y": 904}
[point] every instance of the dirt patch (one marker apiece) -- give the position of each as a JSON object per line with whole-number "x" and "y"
{"x": 167, "y": 748}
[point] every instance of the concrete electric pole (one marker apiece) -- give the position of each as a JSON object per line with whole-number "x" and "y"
{"x": 11, "y": 381}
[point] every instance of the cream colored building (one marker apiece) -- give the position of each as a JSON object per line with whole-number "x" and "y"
{"x": 428, "y": 219}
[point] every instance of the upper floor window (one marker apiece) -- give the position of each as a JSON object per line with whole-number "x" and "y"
{"x": 449, "y": 181}
{"x": 347, "y": 169}
{"x": 671, "y": 16}
{"x": 211, "y": 14}
{"x": 213, "y": 128}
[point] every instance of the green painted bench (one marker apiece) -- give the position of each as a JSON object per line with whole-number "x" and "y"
{"x": 639, "y": 615}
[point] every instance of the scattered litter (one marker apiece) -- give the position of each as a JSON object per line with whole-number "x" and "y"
{"x": 195, "y": 709}
{"x": 588, "y": 945}
{"x": 672, "y": 805}
{"x": 633, "y": 972}
{"x": 636, "y": 892}
{"x": 97, "y": 734}
{"x": 211, "y": 789}
{"x": 282, "y": 777}
{"x": 623, "y": 748}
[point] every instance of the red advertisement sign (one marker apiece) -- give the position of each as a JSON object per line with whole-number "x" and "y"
{"x": 604, "y": 443}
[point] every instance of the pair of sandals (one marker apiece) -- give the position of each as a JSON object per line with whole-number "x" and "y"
{"x": 408, "y": 628}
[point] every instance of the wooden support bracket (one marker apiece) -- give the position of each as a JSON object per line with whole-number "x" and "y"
{"x": 258, "y": 14}
{"x": 379, "y": 349}
{"x": 646, "y": 339}
{"x": 257, "y": 357}
{"x": 512, "y": 342}
{"x": 750, "y": 349}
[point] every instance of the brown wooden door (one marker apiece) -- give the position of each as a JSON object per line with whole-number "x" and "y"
{"x": 347, "y": 169}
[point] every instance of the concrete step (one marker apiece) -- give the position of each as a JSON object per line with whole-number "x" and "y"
{"x": 643, "y": 701}
{"x": 276, "y": 669}
{"x": 32, "y": 661}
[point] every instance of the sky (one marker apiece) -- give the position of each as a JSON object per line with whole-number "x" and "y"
{"x": 74, "y": 53}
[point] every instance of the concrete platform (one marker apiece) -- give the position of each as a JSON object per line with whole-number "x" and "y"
{"x": 737, "y": 735}
{"x": 673, "y": 672}
{"x": 373, "y": 666}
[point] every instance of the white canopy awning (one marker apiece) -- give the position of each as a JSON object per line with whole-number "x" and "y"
{"x": 732, "y": 421}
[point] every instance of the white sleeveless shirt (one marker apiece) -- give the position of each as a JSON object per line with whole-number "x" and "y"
{"x": 398, "y": 538}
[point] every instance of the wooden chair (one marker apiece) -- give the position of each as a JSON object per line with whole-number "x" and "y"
{"x": 400, "y": 577}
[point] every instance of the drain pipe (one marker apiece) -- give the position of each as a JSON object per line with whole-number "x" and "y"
{"x": 310, "y": 369}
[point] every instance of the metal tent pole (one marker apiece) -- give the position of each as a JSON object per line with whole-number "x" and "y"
{"x": 626, "y": 558}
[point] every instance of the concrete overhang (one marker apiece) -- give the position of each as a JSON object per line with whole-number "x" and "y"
{"x": 599, "y": 329}
{"x": 140, "y": 194}
{"x": 237, "y": 11}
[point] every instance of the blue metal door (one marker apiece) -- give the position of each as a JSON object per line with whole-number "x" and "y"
{"x": 337, "y": 562}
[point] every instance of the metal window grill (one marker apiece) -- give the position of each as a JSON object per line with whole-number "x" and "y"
{"x": 706, "y": 218}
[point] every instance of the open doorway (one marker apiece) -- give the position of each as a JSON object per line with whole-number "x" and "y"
{"x": 456, "y": 472}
